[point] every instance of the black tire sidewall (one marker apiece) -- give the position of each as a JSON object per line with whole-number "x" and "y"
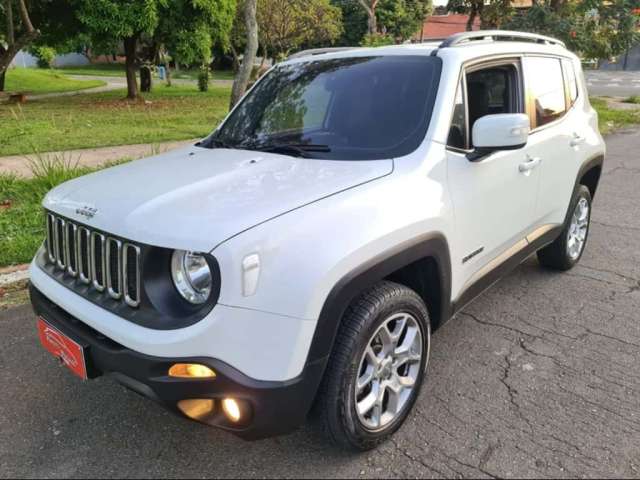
{"x": 353, "y": 428}
{"x": 582, "y": 192}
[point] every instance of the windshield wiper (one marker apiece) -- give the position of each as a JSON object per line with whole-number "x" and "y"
{"x": 218, "y": 143}
{"x": 297, "y": 149}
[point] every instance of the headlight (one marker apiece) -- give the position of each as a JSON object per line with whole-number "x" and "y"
{"x": 191, "y": 276}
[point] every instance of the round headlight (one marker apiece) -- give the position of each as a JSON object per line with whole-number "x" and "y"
{"x": 191, "y": 276}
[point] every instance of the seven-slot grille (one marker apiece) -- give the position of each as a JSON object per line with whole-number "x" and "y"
{"x": 105, "y": 263}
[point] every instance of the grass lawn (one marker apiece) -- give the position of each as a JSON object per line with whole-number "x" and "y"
{"x": 38, "y": 81}
{"x": 103, "y": 119}
{"x": 21, "y": 218}
{"x": 611, "y": 119}
{"x": 117, "y": 70}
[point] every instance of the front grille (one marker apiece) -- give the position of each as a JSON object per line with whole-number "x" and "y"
{"x": 105, "y": 263}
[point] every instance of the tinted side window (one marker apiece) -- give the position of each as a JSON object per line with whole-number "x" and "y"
{"x": 457, "y": 131}
{"x": 544, "y": 77}
{"x": 491, "y": 91}
{"x": 570, "y": 78}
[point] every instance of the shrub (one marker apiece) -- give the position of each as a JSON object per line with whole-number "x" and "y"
{"x": 377, "y": 40}
{"x": 45, "y": 56}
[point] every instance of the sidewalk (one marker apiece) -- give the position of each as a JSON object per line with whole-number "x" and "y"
{"x": 91, "y": 157}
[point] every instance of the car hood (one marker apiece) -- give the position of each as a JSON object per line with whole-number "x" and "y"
{"x": 195, "y": 198}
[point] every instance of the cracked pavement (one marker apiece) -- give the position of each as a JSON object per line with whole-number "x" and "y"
{"x": 539, "y": 377}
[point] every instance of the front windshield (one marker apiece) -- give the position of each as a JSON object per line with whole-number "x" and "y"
{"x": 359, "y": 108}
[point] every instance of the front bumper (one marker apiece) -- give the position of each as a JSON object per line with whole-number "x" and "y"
{"x": 275, "y": 407}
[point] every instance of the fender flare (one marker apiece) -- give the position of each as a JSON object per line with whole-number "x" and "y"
{"x": 593, "y": 162}
{"x": 433, "y": 245}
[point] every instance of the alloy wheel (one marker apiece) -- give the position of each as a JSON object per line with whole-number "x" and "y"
{"x": 577, "y": 234}
{"x": 388, "y": 371}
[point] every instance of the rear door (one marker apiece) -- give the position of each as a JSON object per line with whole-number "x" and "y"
{"x": 558, "y": 133}
{"x": 494, "y": 202}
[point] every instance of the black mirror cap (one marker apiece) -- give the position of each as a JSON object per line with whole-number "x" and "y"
{"x": 478, "y": 154}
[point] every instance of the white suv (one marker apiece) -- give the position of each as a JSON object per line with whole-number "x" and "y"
{"x": 303, "y": 253}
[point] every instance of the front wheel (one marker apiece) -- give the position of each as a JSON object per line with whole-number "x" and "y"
{"x": 567, "y": 249}
{"x": 377, "y": 367}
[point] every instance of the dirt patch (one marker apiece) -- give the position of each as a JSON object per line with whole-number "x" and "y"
{"x": 14, "y": 294}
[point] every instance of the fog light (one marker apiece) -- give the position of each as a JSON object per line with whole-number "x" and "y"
{"x": 191, "y": 370}
{"x": 197, "y": 409}
{"x": 231, "y": 409}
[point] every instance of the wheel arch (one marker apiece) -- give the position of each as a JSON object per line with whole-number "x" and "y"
{"x": 589, "y": 174}
{"x": 402, "y": 265}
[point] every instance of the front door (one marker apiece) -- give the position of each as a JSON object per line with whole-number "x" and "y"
{"x": 494, "y": 198}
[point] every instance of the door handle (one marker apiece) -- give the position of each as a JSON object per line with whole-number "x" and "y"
{"x": 530, "y": 164}
{"x": 577, "y": 140}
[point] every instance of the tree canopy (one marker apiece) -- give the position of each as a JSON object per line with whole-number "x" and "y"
{"x": 286, "y": 25}
{"x": 594, "y": 28}
{"x": 190, "y": 28}
{"x": 395, "y": 20}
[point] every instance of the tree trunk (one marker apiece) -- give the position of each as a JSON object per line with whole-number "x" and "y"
{"x": 471, "y": 20}
{"x": 168, "y": 73}
{"x": 263, "y": 62}
{"x": 476, "y": 10}
{"x": 372, "y": 22}
{"x": 3, "y": 74}
{"x": 130, "y": 44}
{"x": 244, "y": 73}
{"x": 10, "y": 29}
{"x": 14, "y": 46}
{"x": 236, "y": 60}
{"x": 556, "y": 5}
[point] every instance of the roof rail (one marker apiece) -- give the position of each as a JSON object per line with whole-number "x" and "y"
{"x": 496, "y": 35}
{"x": 318, "y": 51}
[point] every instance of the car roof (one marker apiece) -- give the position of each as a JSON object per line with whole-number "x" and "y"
{"x": 458, "y": 52}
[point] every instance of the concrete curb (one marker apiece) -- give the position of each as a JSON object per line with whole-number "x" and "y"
{"x": 14, "y": 274}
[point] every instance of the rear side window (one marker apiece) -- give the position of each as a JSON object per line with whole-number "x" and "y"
{"x": 546, "y": 85}
{"x": 570, "y": 78}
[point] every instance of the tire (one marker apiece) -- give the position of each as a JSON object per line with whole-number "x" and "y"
{"x": 562, "y": 253}
{"x": 384, "y": 312}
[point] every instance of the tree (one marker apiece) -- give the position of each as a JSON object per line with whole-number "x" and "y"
{"x": 249, "y": 9}
{"x": 190, "y": 28}
{"x": 369, "y": 7}
{"x": 596, "y": 28}
{"x": 19, "y": 33}
{"x": 396, "y": 21}
{"x": 354, "y": 22}
{"x": 492, "y": 14}
{"x": 286, "y": 25}
{"x": 124, "y": 21}
{"x": 402, "y": 18}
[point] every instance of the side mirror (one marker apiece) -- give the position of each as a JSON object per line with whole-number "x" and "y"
{"x": 503, "y": 131}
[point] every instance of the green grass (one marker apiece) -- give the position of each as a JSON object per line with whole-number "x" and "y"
{"x": 39, "y": 81}
{"x": 21, "y": 219}
{"x": 104, "y": 119}
{"x": 117, "y": 70}
{"x": 632, "y": 99}
{"x": 98, "y": 70}
{"x": 610, "y": 119}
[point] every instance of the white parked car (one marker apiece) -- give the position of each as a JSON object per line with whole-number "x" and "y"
{"x": 303, "y": 254}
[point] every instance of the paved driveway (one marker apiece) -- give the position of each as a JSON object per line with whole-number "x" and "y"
{"x": 538, "y": 377}
{"x": 612, "y": 83}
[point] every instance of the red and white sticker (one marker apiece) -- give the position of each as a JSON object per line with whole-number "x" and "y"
{"x": 69, "y": 353}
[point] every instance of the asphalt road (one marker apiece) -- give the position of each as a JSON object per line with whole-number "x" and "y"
{"x": 612, "y": 83}
{"x": 538, "y": 377}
